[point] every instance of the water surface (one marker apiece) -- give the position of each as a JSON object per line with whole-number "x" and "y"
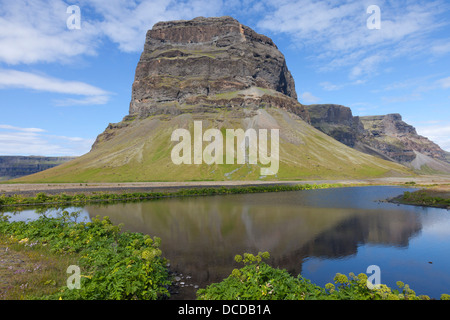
{"x": 313, "y": 232}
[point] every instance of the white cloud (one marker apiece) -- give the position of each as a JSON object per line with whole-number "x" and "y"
{"x": 34, "y": 141}
{"x": 441, "y": 47}
{"x": 337, "y": 33}
{"x": 33, "y": 31}
{"x": 126, "y": 22}
{"x": 368, "y": 65}
{"x": 444, "y": 83}
{"x": 27, "y": 80}
{"x": 6, "y": 126}
{"x": 36, "y": 31}
{"x": 93, "y": 100}
{"x": 309, "y": 98}
{"x": 328, "y": 86}
{"x": 438, "y": 133}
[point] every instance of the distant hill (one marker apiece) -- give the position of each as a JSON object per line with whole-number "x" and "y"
{"x": 12, "y": 167}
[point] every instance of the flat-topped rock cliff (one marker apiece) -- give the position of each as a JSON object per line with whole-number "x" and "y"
{"x": 12, "y": 167}
{"x": 224, "y": 76}
{"x": 189, "y": 64}
{"x": 336, "y": 121}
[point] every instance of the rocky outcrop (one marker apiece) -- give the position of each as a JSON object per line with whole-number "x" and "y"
{"x": 336, "y": 121}
{"x": 185, "y": 62}
{"x": 385, "y": 136}
{"x": 397, "y": 139}
{"x": 18, "y": 166}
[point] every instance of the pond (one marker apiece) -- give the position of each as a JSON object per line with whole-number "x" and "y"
{"x": 316, "y": 233}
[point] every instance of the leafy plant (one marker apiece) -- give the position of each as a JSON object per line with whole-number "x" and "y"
{"x": 259, "y": 281}
{"x": 114, "y": 264}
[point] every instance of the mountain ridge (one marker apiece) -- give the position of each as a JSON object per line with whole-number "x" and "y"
{"x": 12, "y": 167}
{"x": 385, "y": 136}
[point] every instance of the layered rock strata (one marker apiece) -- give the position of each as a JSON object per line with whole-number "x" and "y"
{"x": 207, "y": 62}
{"x": 18, "y": 166}
{"x": 385, "y": 136}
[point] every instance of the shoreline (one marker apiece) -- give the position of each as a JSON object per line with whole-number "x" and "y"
{"x": 120, "y": 187}
{"x": 432, "y": 185}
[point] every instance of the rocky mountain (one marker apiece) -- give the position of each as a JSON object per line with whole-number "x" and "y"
{"x": 222, "y": 75}
{"x": 18, "y": 166}
{"x": 385, "y": 136}
{"x": 336, "y": 121}
{"x": 208, "y": 62}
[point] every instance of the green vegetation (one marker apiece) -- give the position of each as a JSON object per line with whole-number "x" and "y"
{"x": 80, "y": 199}
{"x": 140, "y": 151}
{"x": 259, "y": 281}
{"x": 28, "y": 270}
{"x": 113, "y": 264}
{"x": 124, "y": 265}
{"x": 424, "y": 198}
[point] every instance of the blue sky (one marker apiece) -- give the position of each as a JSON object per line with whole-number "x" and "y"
{"x": 61, "y": 87}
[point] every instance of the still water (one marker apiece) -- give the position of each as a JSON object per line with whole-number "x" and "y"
{"x": 316, "y": 233}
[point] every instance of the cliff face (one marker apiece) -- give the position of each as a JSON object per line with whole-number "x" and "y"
{"x": 18, "y": 166}
{"x": 400, "y": 141}
{"x": 336, "y": 121}
{"x": 385, "y": 136}
{"x": 195, "y": 62}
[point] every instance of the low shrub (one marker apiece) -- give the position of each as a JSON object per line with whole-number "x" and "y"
{"x": 259, "y": 281}
{"x": 58, "y": 200}
{"x": 114, "y": 264}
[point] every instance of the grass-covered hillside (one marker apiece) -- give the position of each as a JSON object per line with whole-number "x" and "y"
{"x": 140, "y": 150}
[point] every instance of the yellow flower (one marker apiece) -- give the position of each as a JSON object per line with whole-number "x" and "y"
{"x": 391, "y": 296}
{"x": 148, "y": 255}
{"x": 24, "y": 240}
{"x": 236, "y": 273}
{"x": 340, "y": 278}
{"x": 148, "y": 241}
{"x": 329, "y": 286}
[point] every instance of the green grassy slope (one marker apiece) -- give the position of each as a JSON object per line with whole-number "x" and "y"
{"x": 139, "y": 150}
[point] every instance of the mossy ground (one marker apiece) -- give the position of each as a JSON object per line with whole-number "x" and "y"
{"x": 437, "y": 196}
{"x": 29, "y": 270}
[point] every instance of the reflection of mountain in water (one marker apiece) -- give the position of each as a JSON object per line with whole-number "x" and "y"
{"x": 201, "y": 236}
{"x": 383, "y": 227}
